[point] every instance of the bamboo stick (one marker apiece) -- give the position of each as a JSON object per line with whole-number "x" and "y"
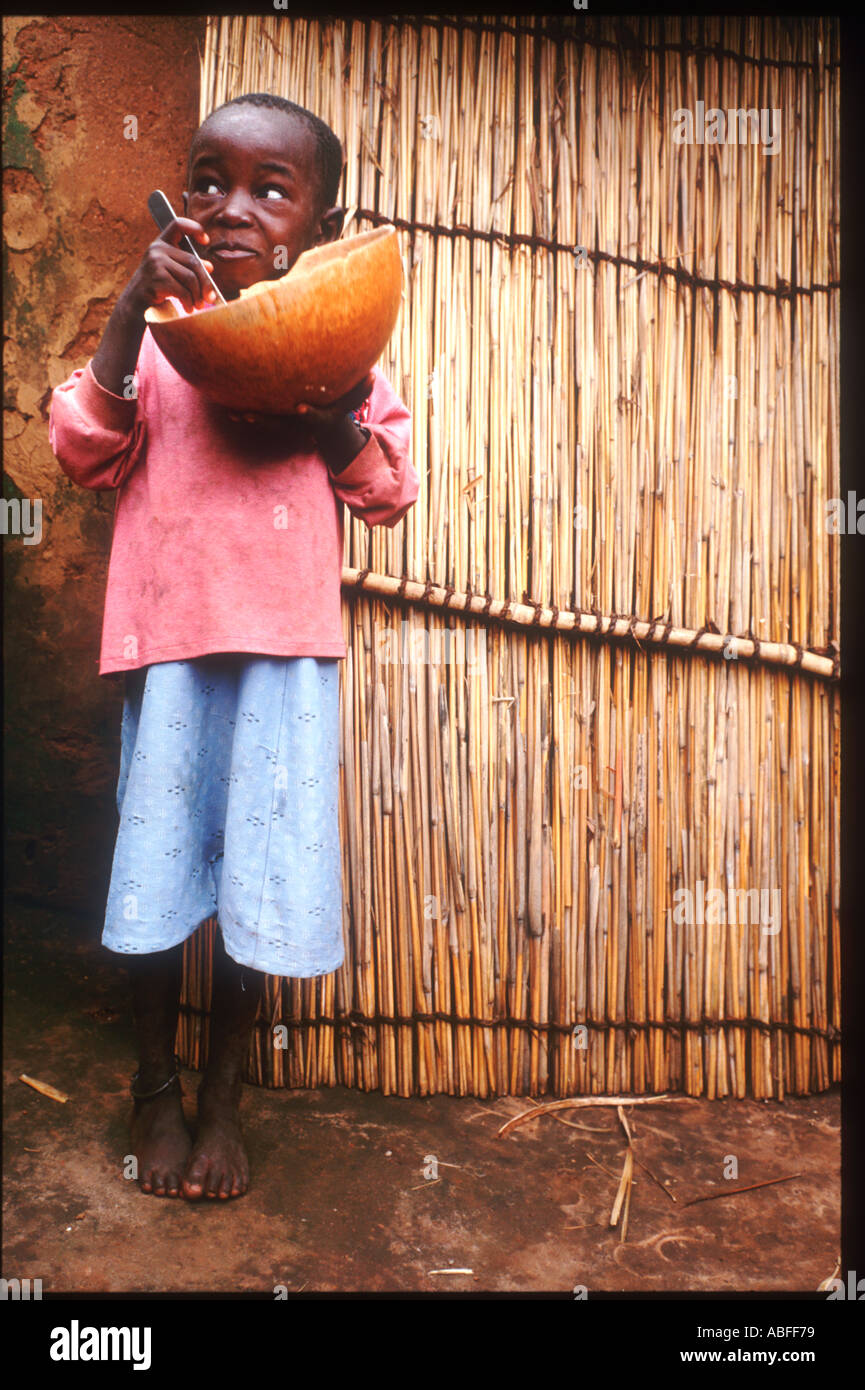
{"x": 651, "y": 633}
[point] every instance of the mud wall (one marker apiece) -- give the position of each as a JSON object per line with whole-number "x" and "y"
{"x": 98, "y": 111}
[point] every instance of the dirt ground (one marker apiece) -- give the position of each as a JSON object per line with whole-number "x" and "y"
{"x": 339, "y": 1200}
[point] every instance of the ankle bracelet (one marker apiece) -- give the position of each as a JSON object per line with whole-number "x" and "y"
{"x": 148, "y": 1095}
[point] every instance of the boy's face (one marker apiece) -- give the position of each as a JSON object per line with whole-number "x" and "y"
{"x": 254, "y": 188}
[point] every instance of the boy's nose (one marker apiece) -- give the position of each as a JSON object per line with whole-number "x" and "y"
{"x": 234, "y": 211}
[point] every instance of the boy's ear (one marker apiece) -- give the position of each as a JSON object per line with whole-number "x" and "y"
{"x": 331, "y": 224}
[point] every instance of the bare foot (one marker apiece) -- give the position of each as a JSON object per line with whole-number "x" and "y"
{"x": 161, "y": 1143}
{"x": 218, "y": 1166}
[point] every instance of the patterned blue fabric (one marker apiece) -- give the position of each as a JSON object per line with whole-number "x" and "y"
{"x": 228, "y": 800}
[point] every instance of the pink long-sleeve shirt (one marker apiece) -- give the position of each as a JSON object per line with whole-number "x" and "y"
{"x": 227, "y": 537}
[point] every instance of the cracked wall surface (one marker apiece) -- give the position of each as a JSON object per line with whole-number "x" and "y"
{"x": 75, "y": 226}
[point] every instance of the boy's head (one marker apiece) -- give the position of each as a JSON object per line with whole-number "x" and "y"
{"x": 263, "y": 180}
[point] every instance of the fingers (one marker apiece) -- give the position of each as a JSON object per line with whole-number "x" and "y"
{"x": 350, "y": 401}
{"x": 169, "y": 271}
{"x": 190, "y": 275}
{"x": 325, "y": 414}
{"x": 181, "y": 227}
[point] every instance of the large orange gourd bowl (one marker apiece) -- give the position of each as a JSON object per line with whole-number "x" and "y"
{"x": 308, "y": 337}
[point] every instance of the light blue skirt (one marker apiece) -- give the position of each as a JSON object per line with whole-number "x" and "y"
{"x": 228, "y": 797}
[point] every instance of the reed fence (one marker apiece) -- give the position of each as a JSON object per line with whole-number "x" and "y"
{"x": 597, "y": 663}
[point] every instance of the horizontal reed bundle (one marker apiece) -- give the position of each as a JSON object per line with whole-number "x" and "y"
{"x": 654, "y": 633}
{"x": 621, "y": 358}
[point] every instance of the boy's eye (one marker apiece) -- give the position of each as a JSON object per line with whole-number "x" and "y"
{"x": 209, "y": 187}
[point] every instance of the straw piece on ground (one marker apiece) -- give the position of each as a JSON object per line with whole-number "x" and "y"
{"x": 44, "y": 1089}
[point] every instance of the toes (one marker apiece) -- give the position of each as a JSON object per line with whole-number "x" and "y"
{"x": 195, "y": 1179}
{"x": 158, "y": 1184}
{"x": 161, "y": 1184}
{"x": 148, "y": 1179}
{"x": 232, "y": 1184}
{"x": 213, "y": 1184}
{"x": 216, "y": 1175}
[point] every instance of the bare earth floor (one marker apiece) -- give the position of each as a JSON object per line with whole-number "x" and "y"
{"x": 339, "y": 1200}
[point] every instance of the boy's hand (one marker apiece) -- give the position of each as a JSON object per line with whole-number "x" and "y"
{"x": 323, "y": 415}
{"x": 166, "y": 269}
{"x": 331, "y": 414}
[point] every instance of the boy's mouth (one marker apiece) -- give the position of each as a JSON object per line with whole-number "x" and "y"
{"x": 231, "y": 251}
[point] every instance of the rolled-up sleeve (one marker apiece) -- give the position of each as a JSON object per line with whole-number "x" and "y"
{"x": 97, "y": 437}
{"x": 380, "y": 484}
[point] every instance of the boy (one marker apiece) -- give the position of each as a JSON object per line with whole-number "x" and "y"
{"x": 263, "y": 177}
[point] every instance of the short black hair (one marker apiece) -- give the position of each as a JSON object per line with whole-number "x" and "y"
{"x": 328, "y": 150}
